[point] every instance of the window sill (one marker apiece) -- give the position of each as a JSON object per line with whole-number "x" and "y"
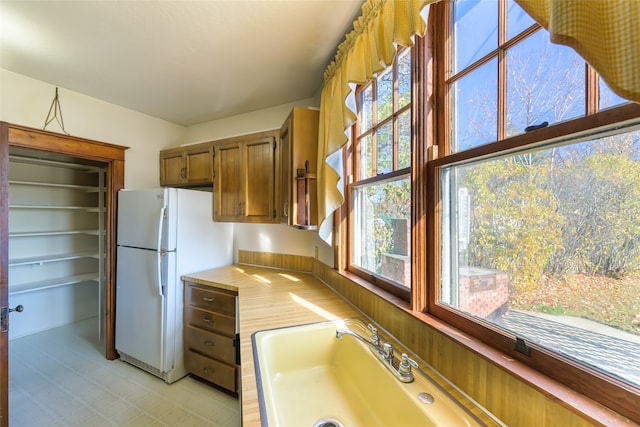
{"x": 573, "y": 401}
{"x": 387, "y": 296}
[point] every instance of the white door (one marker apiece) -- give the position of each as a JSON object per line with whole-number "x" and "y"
{"x": 140, "y": 307}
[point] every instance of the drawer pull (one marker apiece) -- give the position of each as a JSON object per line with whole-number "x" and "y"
{"x": 208, "y": 370}
{"x": 208, "y": 299}
{"x": 208, "y": 343}
{"x": 207, "y": 320}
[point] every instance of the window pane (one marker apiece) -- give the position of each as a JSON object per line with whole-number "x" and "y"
{"x": 517, "y": 19}
{"x": 607, "y": 97}
{"x": 545, "y": 82}
{"x": 366, "y": 104}
{"x": 475, "y": 31}
{"x": 382, "y": 242}
{"x": 475, "y": 108}
{"x": 366, "y": 155}
{"x": 404, "y": 140}
{"x": 384, "y": 152}
{"x": 546, "y": 244}
{"x": 404, "y": 78}
{"x": 384, "y": 94}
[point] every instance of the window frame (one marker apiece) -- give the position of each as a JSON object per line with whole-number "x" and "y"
{"x": 344, "y": 258}
{"x": 607, "y": 390}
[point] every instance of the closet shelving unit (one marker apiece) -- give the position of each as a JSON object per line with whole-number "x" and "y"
{"x": 56, "y": 225}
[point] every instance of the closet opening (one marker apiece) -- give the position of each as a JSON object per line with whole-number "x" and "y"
{"x": 57, "y": 242}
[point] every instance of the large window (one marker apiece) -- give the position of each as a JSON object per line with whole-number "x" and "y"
{"x": 380, "y": 194}
{"x": 513, "y": 172}
{"x": 536, "y": 202}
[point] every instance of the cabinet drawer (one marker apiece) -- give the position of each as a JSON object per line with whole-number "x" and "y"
{"x": 210, "y": 344}
{"x": 210, "y": 321}
{"x": 223, "y": 303}
{"x": 211, "y": 370}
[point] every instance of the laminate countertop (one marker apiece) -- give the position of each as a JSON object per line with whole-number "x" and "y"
{"x": 272, "y": 298}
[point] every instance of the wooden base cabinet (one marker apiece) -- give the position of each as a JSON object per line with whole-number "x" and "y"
{"x": 210, "y": 339}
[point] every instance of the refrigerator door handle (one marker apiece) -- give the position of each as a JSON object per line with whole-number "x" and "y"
{"x": 163, "y": 216}
{"x": 161, "y": 250}
{"x": 160, "y": 255}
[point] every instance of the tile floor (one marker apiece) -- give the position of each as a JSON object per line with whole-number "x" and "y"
{"x": 60, "y": 378}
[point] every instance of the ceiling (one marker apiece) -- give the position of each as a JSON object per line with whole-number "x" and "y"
{"x": 184, "y": 61}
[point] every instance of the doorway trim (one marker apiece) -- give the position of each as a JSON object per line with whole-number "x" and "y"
{"x": 50, "y": 142}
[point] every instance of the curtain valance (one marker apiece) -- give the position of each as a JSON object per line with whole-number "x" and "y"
{"x": 367, "y": 50}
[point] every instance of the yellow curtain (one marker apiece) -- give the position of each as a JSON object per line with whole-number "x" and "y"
{"x": 606, "y": 33}
{"x": 367, "y": 50}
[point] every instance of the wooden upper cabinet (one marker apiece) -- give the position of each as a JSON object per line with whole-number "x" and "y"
{"x": 227, "y": 184}
{"x": 199, "y": 163}
{"x": 244, "y": 189}
{"x": 187, "y": 166}
{"x": 297, "y": 188}
{"x": 172, "y": 167}
{"x": 259, "y": 171}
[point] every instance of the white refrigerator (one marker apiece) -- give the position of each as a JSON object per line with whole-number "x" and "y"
{"x": 163, "y": 234}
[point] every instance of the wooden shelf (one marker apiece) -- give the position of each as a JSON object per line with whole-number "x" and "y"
{"x": 53, "y": 258}
{"x": 53, "y": 283}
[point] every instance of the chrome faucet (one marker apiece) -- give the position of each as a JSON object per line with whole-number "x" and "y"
{"x": 385, "y": 353}
{"x": 375, "y": 345}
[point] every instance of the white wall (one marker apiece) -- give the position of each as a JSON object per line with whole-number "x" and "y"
{"x": 53, "y": 307}
{"x": 274, "y": 238}
{"x": 26, "y": 101}
{"x": 242, "y": 124}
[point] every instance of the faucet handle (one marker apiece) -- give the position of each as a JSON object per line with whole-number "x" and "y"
{"x": 375, "y": 338}
{"x": 405, "y": 365}
{"x": 387, "y": 351}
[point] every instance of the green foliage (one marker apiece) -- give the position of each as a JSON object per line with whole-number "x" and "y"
{"x": 384, "y": 201}
{"x": 514, "y": 220}
{"x": 599, "y": 197}
{"x": 574, "y": 209}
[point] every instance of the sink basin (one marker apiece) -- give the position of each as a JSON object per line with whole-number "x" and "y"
{"x": 308, "y": 377}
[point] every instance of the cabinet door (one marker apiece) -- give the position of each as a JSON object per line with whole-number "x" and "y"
{"x": 286, "y": 176}
{"x": 227, "y": 187}
{"x": 259, "y": 173}
{"x": 199, "y": 164}
{"x": 172, "y": 168}
{"x": 299, "y": 150}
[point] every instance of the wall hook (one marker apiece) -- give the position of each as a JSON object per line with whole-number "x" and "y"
{"x": 55, "y": 106}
